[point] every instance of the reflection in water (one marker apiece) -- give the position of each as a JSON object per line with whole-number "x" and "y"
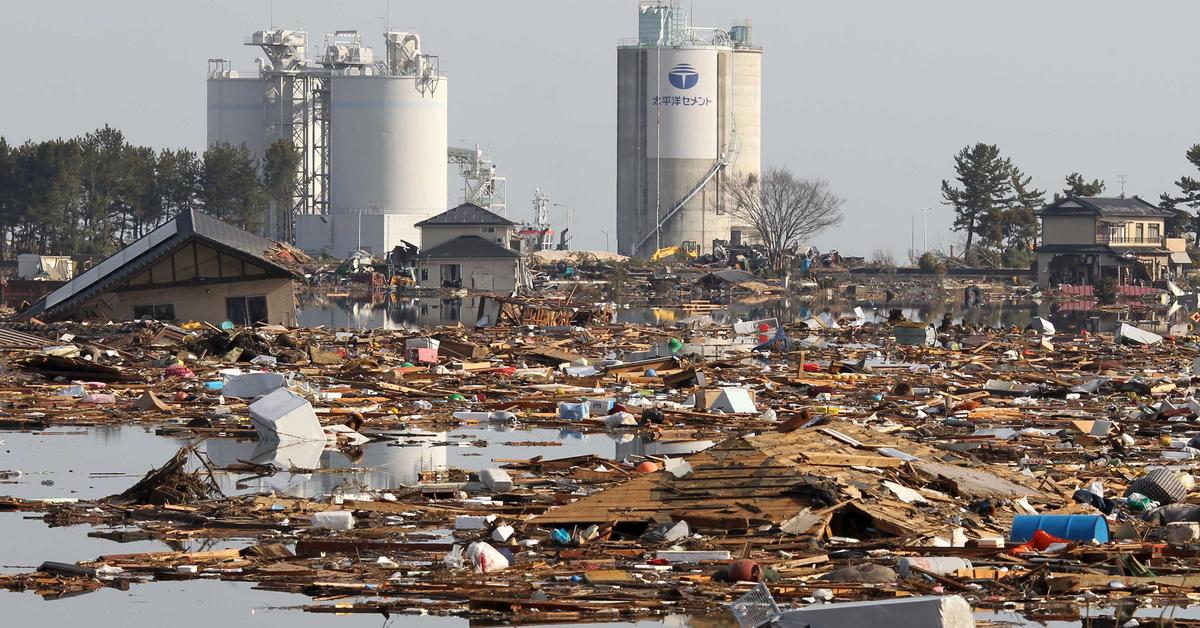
{"x": 385, "y": 311}
{"x": 381, "y": 466}
{"x": 630, "y": 445}
{"x": 389, "y": 312}
{"x": 1071, "y": 316}
{"x": 388, "y": 465}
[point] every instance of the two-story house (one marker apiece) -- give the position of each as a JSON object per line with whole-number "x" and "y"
{"x": 469, "y": 247}
{"x": 1086, "y": 239}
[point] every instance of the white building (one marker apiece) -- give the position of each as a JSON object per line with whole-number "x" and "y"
{"x": 371, "y": 135}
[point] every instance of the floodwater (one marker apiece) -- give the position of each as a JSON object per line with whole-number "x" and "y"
{"x": 93, "y": 462}
{"x": 211, "y": 603}
{"x": 390, "y": 312}
{"x": 88, "y": 463}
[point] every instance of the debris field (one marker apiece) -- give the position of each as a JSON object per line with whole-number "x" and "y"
{"x": 827, "y": 460}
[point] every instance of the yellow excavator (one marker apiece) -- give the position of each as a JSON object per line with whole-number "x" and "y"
{"x": 687, "y": 251}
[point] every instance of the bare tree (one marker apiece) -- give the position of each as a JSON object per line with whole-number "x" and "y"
{"x": 783, "y": 210}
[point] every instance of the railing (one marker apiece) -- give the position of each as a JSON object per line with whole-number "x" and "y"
{"x": 1104, "y": 238}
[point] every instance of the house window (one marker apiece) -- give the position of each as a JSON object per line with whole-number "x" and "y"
{"x": 488, "y": 229}
{"x": 1116, "y": 233}
{"x": 424, "y": 274}
{"x": 1141, "y": 232}
{"x": 246, "y": 310}
{"x": 1153, "y": 227}
{"x": 158, "y": 312}
{"x": 451, "y": 275}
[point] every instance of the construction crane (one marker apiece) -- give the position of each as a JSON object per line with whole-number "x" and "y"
{"x": 481, "y": 186}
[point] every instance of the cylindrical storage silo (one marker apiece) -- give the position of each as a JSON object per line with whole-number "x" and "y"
{"x": 388, "y": 137}
{"x": 688, "y": 118}
{"x": 745, "y": 116}
{"x": 674, "y": 127}
{"x": 236, "y": 113}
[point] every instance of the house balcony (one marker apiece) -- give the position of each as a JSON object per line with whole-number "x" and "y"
{"x": 1120, "y": 240}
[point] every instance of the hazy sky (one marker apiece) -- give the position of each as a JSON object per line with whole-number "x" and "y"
{"x": 874, "y": 96}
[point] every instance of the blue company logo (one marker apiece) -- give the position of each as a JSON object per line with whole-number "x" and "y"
{"x": 683, "y": 76}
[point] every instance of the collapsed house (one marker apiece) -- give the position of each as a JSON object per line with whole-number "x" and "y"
{"x": 839, "y": 480}
{"x": 193, "y": 267}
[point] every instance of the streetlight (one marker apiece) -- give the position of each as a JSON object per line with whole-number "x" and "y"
{"x": 924, "y": 233}
{"x": 605, "y": 240}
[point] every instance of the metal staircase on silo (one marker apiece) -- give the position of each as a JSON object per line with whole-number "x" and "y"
{"x": 723, "y": 161}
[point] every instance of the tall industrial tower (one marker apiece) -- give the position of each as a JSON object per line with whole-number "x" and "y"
{"x": 688, "y": 119}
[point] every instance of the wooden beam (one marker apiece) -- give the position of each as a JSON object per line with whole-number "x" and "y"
{"x": 850, "y": 460}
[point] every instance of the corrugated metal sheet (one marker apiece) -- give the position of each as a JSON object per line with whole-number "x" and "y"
{"x": 12, "y": 339}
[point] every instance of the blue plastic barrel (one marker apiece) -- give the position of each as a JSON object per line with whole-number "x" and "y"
{"x": 1070, "y": 527}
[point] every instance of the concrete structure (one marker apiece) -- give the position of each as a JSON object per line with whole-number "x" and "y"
{"x": 469, "y": 247}
{"x": 388, "y": 144}
{"x": 193, "y": 267}
{"x": 688, "y": 119}
{"x": 236, "y": 113}
{"x": 371, "y": 136}
{"x": 286, "y": 101}
{"x": 1088, "y": 239}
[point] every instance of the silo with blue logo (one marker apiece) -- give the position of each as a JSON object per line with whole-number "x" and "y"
{"x": 688, "y": 117}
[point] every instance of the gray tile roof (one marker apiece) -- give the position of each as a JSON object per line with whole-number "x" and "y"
{"x": 1116, "y": 207}
{"x": 466, "y": 214}
{"x": 469, "y": 247}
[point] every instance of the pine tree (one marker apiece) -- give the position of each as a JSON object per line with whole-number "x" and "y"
{"x": 979, "y": 204}
{"x": 1189, "y": 194}
{"x": 1020, "y": 219}
{"x": 178, "y": 178}
{"x": 8, "y": 186}
{"x": 230, "y": 189}
{"x": 279, "y": 180}
{"x": 1078, "y": 186}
